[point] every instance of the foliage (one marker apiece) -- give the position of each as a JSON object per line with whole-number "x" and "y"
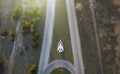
{"x": 34, "y": 43}
{"x": 1, "y": 62}
{"x": 21, "y": 51}
{"x": 32, "y": 69}
{"x": 29, "y": 1}
{"x": 4, "y": 33}
{"x": 17, "y": 13}
{"x": 31, "y": 18}
{"x": 13, "y": 35}
{"x": 35, "y": 37}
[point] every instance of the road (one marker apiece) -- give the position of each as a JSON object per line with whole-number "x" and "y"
{"x": 48, "y": 31}
{"x": 75, "y": 38}
{"x": 59, "y": 63}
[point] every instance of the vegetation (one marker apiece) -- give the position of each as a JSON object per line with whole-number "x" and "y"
{"x": 29, "y": 1}
{"x": 1, "y": 62}
{"x": 17, "y": 13}
{"x": 35, "y": 37}
{"x": 33, "y": 28}
{"x": 60, "y": 70}
{"x": 31, "y": 18}
{"x": 21, "y": 51}
{"x": 32, "y": 69}
{"x": 4, "y": 33}
{"x": 13, "y": 35}
{"x": 61, "y": 27}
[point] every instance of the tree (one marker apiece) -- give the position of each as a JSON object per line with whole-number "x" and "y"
{"x": 32, "y": 69}
{"x": 17, "y": 13}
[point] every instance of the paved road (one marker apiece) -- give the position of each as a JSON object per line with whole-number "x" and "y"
{"x": 75, "y": 40}
{"x": 57, "y": 64}
{"x": 44, "y": 57}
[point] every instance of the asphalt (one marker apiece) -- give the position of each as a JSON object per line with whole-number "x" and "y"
{"x": 75, "y": 37}
{"x": 48, "y": 31}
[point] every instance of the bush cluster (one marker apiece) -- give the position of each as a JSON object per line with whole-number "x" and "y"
{"x": 4, "y": 33}
{"x": 32, "y": 69}
{"x": 17, "y": 13}
{"x": 35, "y": 37}
{"x": 13, "y": 35}
{"x": 31, "y": 18}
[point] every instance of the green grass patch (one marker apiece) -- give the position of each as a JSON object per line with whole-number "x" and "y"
{"x": 60, "y": 70}
{"x": 61, "y": 32}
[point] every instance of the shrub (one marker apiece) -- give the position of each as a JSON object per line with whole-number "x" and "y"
{"x": 32, "y": 69}
{"x": 4, "y": 33}
{"x": 21, "y": 51}
{"x": 17, "y": 13}
{"x": 35, "y": 36}
{"x": 34, "y": 43}
{"x": 1, "y": 62}
{"x": 13, "y": 35}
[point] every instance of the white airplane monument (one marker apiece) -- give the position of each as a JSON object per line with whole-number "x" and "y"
{"x": 60, "y": 48}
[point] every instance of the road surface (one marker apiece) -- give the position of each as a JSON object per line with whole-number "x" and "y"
{"x": 75, "y": 40}
{"x": 48, "y": 31}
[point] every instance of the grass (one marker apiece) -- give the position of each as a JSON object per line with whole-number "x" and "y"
{"x": 60, "y": 71}
{"x": 61, "y": 32}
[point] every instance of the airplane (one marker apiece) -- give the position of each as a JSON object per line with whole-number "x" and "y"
{"x": 60, "y": 48}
